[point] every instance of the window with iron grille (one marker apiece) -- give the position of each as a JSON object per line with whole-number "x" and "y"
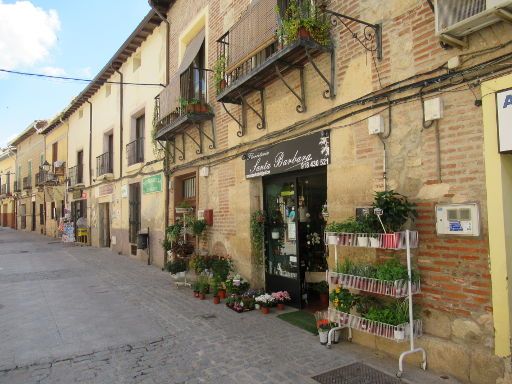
{"x": 189, "y": 188}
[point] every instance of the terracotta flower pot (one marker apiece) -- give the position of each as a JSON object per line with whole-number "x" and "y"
{"x": 265, "y": 310}
{"x": 196, "y": 294}
{"x": 223, "y": 84}
{"x": 280, "y": 306}
{"x": 222, "y": 293}
{"x": 216, "y": 300}
{"x": 202, "y": 296}
{"x": 324, "y": 298}
{"x": 303, "y": 33}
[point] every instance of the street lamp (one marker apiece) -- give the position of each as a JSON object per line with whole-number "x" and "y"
{"x": 46, "y": 166}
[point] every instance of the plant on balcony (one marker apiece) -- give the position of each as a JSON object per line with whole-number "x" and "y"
{"x": 303, "y": 21}
{"x": 218, "y": 73}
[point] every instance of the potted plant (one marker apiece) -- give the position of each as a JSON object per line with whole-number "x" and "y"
{"x": 198, "y": 226}
{"x": 203, "y": 285}
{"x": 183, "y": 104}
{"x": 342, "y": 300}
{"x": 176, "y": 267}
{"x": 333, "y": 229}
{"x": 265, "y": 301}
{"x": 322, "y": 288}
{"x": 281, "y": 297}
{"x": 397, "y": 210}
{"x": 218, "y": 73}
{"x": 323, "y": 326}
{"x": 303, "y": 21}
{"x": 236, "y": 285}
{"x": 215, "y": 290}
{"x": 195, "y": 288}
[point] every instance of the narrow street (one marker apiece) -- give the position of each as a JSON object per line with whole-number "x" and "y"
{"x": 84, "y": 315}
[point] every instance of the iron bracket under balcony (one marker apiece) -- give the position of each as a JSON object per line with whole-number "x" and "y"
{"x": 293, "y": 56}
{"x": 181, "y": 128}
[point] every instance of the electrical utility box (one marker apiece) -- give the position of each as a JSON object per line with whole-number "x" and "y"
{"x": 458, "y": 219}
{"x": 376, "y": 125}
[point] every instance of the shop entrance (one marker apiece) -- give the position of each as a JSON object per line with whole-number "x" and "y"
{"x": 294, "y": 235}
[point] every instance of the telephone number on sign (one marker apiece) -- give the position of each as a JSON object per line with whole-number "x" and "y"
{"x": 313, "y": 163}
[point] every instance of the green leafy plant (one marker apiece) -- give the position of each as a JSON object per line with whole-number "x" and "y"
{"x": 218, "y": 72}
{"x": 394, "y": 314}
{"x": 365, "y": 302}
{"x": 304, "y": 15}
{"x": 221, "y": 267}
{"x": 342, "y": 299}
{"x": 392, "y": 270}
{"x": 236, "y": 285}
{"x": 396, "y": 209}
{"x": 204, "y": 283}
{"x": 198, "y": 264}
{"x": 321, "y": 287}
{"x": 173, "y": 232}
{"x": 257, "y": 228}
{"x": 198, "y": 227}
{"x": 175, "y": 266}
{"x": 183, "y": 102}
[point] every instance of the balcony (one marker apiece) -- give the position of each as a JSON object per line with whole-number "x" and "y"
{"x": 263, "y": 47}
{"x": 3, "y": 190}
{"x": 17, "y": 187}
{"x": 104, "y": 164}
{"x": 76, "y": 175}
{"x": 135, "y": 151}
{"x": 27, "y": 183}
{"x": 184, "y": 103}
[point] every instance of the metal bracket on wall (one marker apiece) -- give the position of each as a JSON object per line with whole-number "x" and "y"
{"x": 199, "y": 143}
{"x": 241, "y": 125}
{"x": 329, "y": 92}
{"x": 211, "y": 138}
{"x": 261, "y": 116}
{"x": 175, "y": 148}
{"x": 371, "y": 40}
{"x": 302, "y": 97}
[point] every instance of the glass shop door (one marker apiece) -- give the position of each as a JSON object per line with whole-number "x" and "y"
{"x": 282, "y": 264}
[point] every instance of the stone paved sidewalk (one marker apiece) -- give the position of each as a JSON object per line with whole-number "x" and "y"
{"x": 86, "y": 315}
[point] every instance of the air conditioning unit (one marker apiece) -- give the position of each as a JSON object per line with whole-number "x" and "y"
{"x": 456, "y": 19}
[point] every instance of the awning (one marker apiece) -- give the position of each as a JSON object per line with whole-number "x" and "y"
{"x": 191, "y": 51}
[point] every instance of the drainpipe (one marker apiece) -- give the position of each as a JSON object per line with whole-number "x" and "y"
{"x": 167, "y": 40}
{"x": 120, "y": 123}
{"x": 90, "y": 141}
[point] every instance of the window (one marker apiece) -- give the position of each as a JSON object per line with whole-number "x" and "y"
{"x": 55, "y": 152}
{"x": 189, "y": 188}
{"x": 79, "y": 167}
{"x": 137, "y": 62}
{"x": 108, "y": 90}
{"x": 135, "y": 149}
{"x": 53, "y": 213}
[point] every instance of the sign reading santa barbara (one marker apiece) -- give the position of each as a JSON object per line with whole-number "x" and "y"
{"x": 301, "y": 153}
{"x": 504, "y": 105}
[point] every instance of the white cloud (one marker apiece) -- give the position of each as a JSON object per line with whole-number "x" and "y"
{"x": 53, "y": 71}
{"x": 27, "y": 34}
{"x": 85, "y": 72}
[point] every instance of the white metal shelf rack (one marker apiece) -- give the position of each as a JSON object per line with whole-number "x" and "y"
{"x": 398, "y": 289}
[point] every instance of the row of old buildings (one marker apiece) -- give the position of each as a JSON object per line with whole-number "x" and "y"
{"x": 206, "y": 106}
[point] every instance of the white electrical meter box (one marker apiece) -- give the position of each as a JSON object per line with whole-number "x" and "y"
{"x": 458, "y": 219}
{"x": 433, "y": 109}
{"x": 375, "y": 125}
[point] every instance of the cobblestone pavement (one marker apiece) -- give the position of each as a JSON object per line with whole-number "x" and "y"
{"x": 85, "y": 315}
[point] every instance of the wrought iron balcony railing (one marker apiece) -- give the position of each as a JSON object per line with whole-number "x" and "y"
{"x": 261, "y": 47}
{"x": 27, "y": 182}
{"x": 104, "y": 164}
{"x": 135, "y": 151}
{"x": 76, "y": 174}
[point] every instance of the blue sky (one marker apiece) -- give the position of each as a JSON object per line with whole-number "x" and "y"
{"x": 62, "y": 37}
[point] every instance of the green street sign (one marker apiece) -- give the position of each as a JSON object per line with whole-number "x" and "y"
{"x": 152, "y": 184}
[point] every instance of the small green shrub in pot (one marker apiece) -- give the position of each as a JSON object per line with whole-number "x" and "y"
{"x": 176, "y": 265}
{"x": 397, "y": 210}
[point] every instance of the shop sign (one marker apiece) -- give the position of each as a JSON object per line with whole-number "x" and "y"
{"x": 301, "y": 153}
{"x": 504, "y": 105}
{"x": 152, "y": 184}
{"x": 105, "y": 189}
{"x": 77, "y": 194}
